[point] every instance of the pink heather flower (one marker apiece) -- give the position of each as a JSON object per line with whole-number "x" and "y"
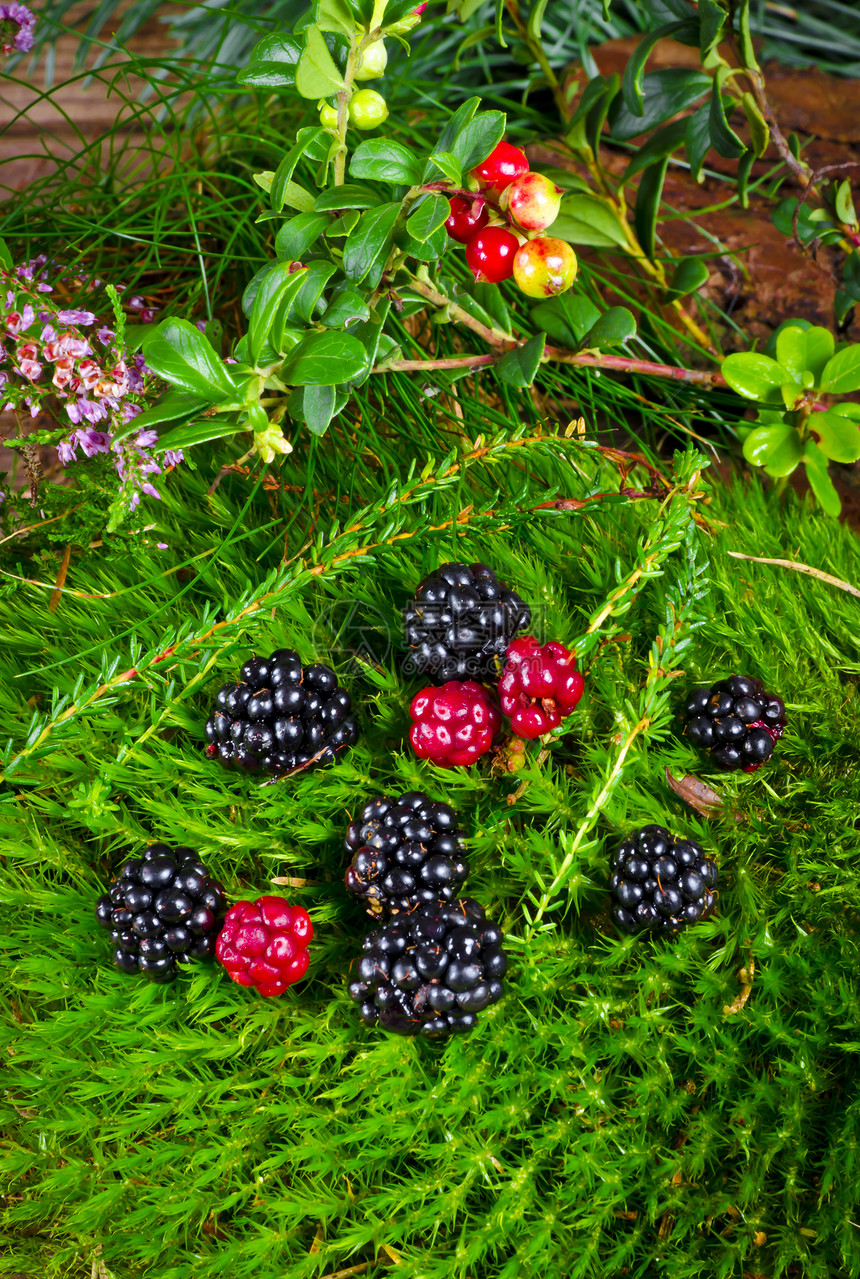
{"x": 130, "y": 411}
{"x": 146, "y": 439}
{"x": 92, "y": 441}
{"x": 76, "y": 317}
{"x": 16, "y": 28}
{"x": 66, "y": 449}
{"x": 148, "y": 314}
{"x": 30, "y": 369}
{"x": 136, "y": 303}
{"x": 172, "y": 457}
{"x": 62, "y": 374}
{"x": 28, "y": 351}
{"x": 89, "y": 373}
{"x": 105, "y": 335}
{"x": 201, "y": 325}
{"x": 4, "y": 378}
{"x": 48, "y": 334}
{"x": 161, "y": 546}
{"x": 10, "y": 300}
{"x": 44, "y": 288}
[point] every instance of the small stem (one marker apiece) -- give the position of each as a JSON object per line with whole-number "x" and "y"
{"x": 343, "y": 98}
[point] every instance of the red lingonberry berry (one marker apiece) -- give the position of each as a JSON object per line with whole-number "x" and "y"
{"x": 539, "y": 686}
{"x": 490, "y": 254}
{"x": 500, "y": 168}
{"x": 533, "y": 201}
{"x": 265, "y": 944}
{"x": 774, "y": 732}
{"x": 455, "y": 724}
{"x": 466, "y": 218}
{"x": 544, "y": 267}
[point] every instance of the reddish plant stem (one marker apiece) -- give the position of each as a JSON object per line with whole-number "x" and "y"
{"x": 583, "y": 359}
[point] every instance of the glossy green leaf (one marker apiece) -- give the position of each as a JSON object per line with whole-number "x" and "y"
{"x": 273, "y": 63}
{"x": 348, "y": 196}
{"x": 5, "y": 256}
{"x": 335, "y": 15}
{"x": 178, "y": 352}
{"x": 613, "y": 327}
{"x": 478, "y": 138}
{"x": 665, "y": 142}
{"x": 689, "y": 276}
{"x": 300, "y": 306}
{"x": 343, "y": 226}
{"x": 697, "y": 140}
{"x": 345, "y": 308}
{"x": 792, "y": 394}
{"x": 317, "y": 75}
{"x": 277, "y": 288}
{"x": 841, "y": 374}
{"x": 428, "y": 217}
{"x": 804, "y": 350}
{"x": 519, "y": 367}
{"x": 429, "y": 250}
{"x": 712, "y": 23}
{"x": 819, "y": 479}
{"x": 756, "y": 377}
{"x": 305, "y": 140}
{"x": 647, "y": 207}
{"x": 723, "y": 138}
{"x": 632, "y": 86}
{"x": 318, "y": 404}
{"x": 586, "y": 219}
{"x": 199, "y": 432}
{"x": 385, "y": 161}
{"x": 297, "y": 235}
{"x": 666, "y": 93}
{"x": 460, "y": 118}
{"x": 838, "y": 435}
{"x": 370, "y": 240}
{"x": 745, "y": 166}
{"x": 173, "y": 406}
{"x": 566, "y": 319}
{"x": 778, "y": 448}
{"x": 843, "y": 204}
{"x": 324, "y": 359}
{"x": 759, "y": 127}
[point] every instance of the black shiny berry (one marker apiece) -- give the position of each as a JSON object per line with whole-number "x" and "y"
{"x": 460, "y": 622}
{"x": 660, "y": 882}
{"x": 281, "y": 717}
{"x": 162, "y": 909}
{"x": 736, "y": 721}
{"x": 431, "y": 971}
{"x": 406, "y": 852}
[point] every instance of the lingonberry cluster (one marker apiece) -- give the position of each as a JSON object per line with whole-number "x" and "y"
{"x": 464, "y": 621}
{"x": 502, "y": 221}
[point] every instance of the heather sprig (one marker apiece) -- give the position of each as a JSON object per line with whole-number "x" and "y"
{"x": 61, "y": 362}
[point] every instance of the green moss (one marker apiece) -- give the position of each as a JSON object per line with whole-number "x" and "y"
{"x": 610, "y": 1116}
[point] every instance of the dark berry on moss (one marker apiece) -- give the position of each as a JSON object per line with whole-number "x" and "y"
{"x": 161, "y": 908}
{"x": 736, "y": 721}
{"x": 460, "y": 622}
{"x": 660, "y": 882}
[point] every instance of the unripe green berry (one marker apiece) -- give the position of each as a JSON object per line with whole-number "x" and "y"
{"x": 367, "y": 109}
{"x": 372, "y": 61}
{"x": 328, "y": 117}
{"x": 544, "y": 267}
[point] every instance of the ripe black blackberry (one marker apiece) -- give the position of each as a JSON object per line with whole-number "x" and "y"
{"x": 407, "y": 852}
{"x": 163, "y": 909}
{"x": 460, "y": 623}
{"x": 737, "y": 721}
{"x": 281, "y": 716}
{"x": 430, "y": 972}
{"x": 660, "y": 882}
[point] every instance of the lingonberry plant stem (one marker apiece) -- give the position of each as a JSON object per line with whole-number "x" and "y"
{"x": 343, "y": 98}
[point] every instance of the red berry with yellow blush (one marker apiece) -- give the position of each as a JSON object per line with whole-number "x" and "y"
{"x": 490, "y": 254}
{"x": 466, "y": 218}
{"x": 500, "y": 168}
{"x": 544, "y": 267}
{"x": 533, "y": 201}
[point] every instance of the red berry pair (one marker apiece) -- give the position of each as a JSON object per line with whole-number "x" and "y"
{"x": 542, "y": 267}
{"x": 265, "y": 944}
{"x": 455, "y": 724}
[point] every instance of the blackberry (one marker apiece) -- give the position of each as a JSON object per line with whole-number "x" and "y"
{"x": 281, "y": 716}
{"x": 460, "y": 623}
{"x": 430, "y": 972}
{"x": 660, "y": 882}
{"x": 406, "y": 852}
{"x": 163, "y": 909}
{"x": 737, "y": 721}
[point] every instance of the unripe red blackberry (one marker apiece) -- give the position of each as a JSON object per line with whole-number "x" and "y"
{"x": 430, "y": 972}
{"x": 281, "y": 716}
{"x": 264, "y": 944}
{"x": 406, "y": 852}
{"x": 455, "y": 724}
{"x": 736, "y": 721}
{"x": 540, "y": 686}
{"x": 163, "y": 909}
